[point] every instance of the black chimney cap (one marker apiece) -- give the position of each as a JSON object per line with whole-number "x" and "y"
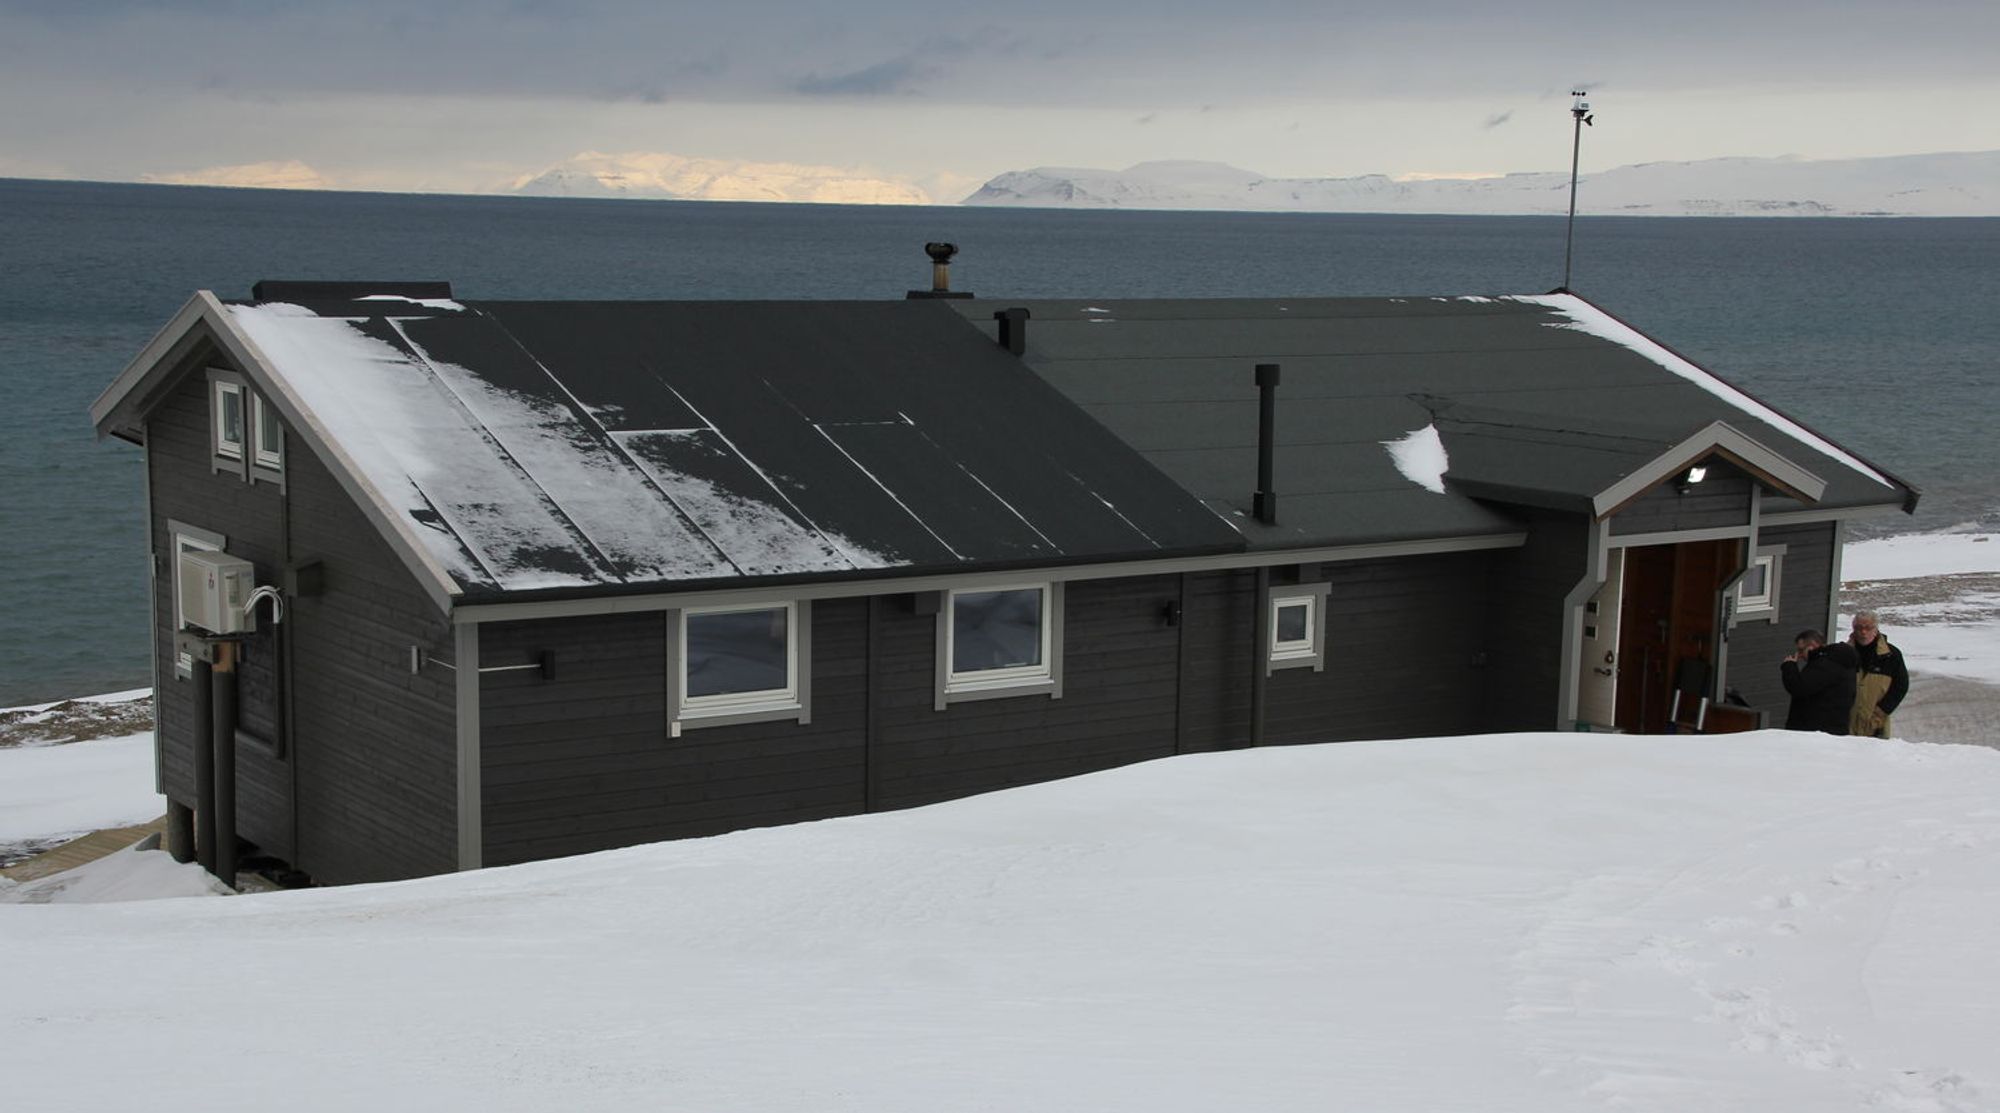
{"x": 940, "y": 252}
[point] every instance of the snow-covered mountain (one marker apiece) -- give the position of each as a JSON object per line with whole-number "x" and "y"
{"x": 657, "y": 174}
{"x": 291, "y": 174}
{"x": 1944, "y": 184}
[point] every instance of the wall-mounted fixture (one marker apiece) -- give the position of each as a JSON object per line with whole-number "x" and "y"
{"x": 1689, "y": 478}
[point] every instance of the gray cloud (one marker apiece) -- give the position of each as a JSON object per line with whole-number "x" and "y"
{"x": 1496, "y": 120}
{"x": 897, "y": 75}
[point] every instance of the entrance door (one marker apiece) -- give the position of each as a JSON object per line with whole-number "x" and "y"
{"x": 1667, "y": 627}
{"x": 1597, "y": 682}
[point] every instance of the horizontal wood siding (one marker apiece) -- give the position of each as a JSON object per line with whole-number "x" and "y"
{"x": 375, "y": 746}
{"x": 251, "y": 518}
{"x": 1403, "y": 660}
{"x": 1527, "y": 588}
{"x": 582, "y": 762}
{"x": 1804, "y": 584}
{"x": 1721, "y": 499}
{"x": 1120, "y": 660}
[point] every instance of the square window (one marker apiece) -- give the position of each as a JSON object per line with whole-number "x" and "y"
{"x": 1298, "y": 624}
{"x": 270, "y": 435}
{"x": 740, "y": 661}
{"x": 999, "y": 641}
{"x": 1757, "y": 589}
{"x": 229, "y": 419}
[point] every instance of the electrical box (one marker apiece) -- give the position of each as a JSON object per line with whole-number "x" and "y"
{"x": 214, "y": 587}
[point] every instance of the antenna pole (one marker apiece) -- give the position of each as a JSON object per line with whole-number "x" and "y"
{"x": 1580, "y": 111}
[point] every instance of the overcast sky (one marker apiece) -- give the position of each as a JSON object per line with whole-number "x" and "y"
{"x": 454, "y": 94}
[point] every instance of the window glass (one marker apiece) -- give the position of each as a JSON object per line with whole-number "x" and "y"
{"x": 996, "y": 630}
{"x": 1756, "y": 582}
{"x": 229, "y": 418}
{"x": 1294, "y": 622}
{"x": 270, "y": 435}
{"x": 738, "y": 651}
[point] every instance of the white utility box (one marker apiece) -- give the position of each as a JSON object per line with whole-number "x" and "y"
{"x": 214, "y": 587}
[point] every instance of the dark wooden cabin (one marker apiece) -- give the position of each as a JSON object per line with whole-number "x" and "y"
{"x": 564, "y": 576}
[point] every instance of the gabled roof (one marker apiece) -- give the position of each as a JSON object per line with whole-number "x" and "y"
{"x": 584, "y": 446}
{"x": 1528, "y": 395}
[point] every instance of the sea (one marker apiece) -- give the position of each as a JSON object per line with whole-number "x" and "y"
{"x": 1881, "y": 333}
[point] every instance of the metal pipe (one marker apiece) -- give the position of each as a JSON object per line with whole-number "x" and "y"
{"x": 1265, "y": 504}
{"x": 1580, "y": 112}
{"x": 224, "y": 741}
{"x": 204, "y": 763}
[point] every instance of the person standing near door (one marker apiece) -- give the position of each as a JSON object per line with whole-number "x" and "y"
{"x": 1883, "y": 681}
{"x": 1820, "y": 679}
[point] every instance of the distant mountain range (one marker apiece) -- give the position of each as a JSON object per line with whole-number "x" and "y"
{"x": 1945, "y": 184}
{"x": 662, "y": 175}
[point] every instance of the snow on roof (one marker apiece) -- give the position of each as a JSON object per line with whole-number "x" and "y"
{"x": 1420, "y": 456}
{"x": 1587, "y": 318}
{"x": 538, "y": 492}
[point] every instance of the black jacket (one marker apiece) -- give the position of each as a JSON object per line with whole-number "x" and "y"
{"x": 1822, "y": 690}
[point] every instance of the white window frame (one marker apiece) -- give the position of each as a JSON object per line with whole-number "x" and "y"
{"x": 261, "y": 418}
{"x": 1762, "y": 607}
{"x": 793, "y": 701}
{"x": 1045, "y": 678}
{"x": 1309, "y": 652}
{"x": 219, "y": 388}
{"x": 184, "y": 538}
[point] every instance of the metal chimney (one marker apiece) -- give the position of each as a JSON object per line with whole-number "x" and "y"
{"x": 1265, "y": 505}
{"x": 940, "y": 254}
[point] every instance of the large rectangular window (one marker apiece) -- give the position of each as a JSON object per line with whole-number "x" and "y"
{"x": 999, "y": 641}
{"x": 740, "y": 664}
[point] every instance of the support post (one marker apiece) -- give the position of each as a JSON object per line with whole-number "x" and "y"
{"x": 1260, "y": 645}
{"x": 204, "y": 762}
{"x": 180, "y": 831}
{"x": 224, "y": 741}
{"x": 1265, "y": 505}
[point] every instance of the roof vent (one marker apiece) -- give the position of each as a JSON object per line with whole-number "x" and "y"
{"x": 280, "y": 290}
{"x": 940, "y": 254}
{"x": 1013, "y": 329}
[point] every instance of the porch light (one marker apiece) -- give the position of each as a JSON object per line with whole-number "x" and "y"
{"x": 1694, "y": 475}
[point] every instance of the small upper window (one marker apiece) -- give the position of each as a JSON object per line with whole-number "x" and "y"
{"x": 1298, "y": 628}
{"x": 740, "y": 661}
{"x": 228, "y": 419}
{"x": 1757, "y": 590}
{"x": 269, "y": 434}
{"x": 999, "y": 641}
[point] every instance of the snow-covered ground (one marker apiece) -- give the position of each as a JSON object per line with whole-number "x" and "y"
{"x": 1938, "y": 595}
{"x": 1536, "y": 922}
{"x": 50, "y": 794}
{"x": 1540, "y": 922}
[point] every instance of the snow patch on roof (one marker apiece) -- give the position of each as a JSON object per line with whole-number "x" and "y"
{"x": 1420, "y": 456}
{"x": 427, "y": 303}
{"x": 1587, "y": 318}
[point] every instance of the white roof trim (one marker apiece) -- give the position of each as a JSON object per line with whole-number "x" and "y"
{"x": 1716, "y": 438}
{"x": 1587, "y": 318}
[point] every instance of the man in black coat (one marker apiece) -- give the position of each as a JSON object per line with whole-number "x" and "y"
{"x": 1820, "y": 678}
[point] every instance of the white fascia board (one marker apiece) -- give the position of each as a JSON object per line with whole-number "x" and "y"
{"x": 149, "y": 358}
{"x": 395, "y": 528}
{"x": 1716, "y": 437}
{"x": 841, "y": 589}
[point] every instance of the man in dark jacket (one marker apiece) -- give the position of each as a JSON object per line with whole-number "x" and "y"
{"x": 1883, "y": 681}
{"x": 1820, "y": 678}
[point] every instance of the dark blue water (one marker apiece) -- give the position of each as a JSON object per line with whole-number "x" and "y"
{"x": 1881, "y": 333}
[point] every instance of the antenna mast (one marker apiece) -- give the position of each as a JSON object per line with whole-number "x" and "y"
{"x": 1579, "y": 109}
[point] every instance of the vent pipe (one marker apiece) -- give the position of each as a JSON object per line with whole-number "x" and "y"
{"x": 1013, "y": 329}
{"x": 1265, "y": 505}
{"x": 940, "y": 254}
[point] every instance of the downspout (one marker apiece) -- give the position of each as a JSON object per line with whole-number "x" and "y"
{"x": 224, "y": 741}
{"x": 204, "y": 762}
{"x": 1264, "y": 504}
{"x": 1596, "y": 548}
